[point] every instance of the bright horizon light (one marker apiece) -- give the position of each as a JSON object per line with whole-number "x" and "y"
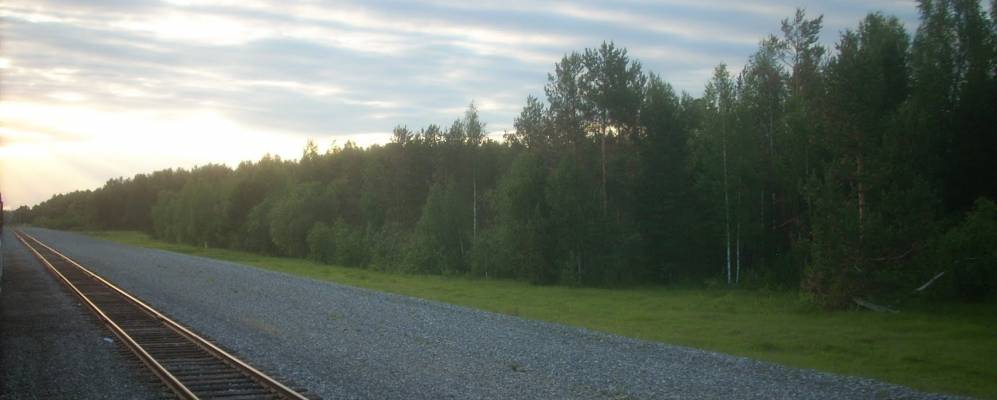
{"x": 45, "y": 142}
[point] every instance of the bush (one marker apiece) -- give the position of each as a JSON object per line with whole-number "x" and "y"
{"x": 969, "y": 251}
{"x": 321, "y": 243}
{"x": 386, "y": 245}
{"x": 486, "y": 255}
{"x": 832, "y": 274}
{"x": 292, "y": 215}
{"x": 349, "y": 244}
{"x": 440, "y": 240}
{"x": 255, "y": 231}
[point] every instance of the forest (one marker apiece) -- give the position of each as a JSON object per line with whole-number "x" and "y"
{"x": 862, "y": 171}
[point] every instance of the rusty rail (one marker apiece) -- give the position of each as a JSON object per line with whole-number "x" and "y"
{"x": 192, "y": 367}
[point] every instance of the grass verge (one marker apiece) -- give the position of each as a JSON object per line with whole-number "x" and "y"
{"x": 946, "y": 348}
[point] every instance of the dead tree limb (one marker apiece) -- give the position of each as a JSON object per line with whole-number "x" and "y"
{"x": 929, "y": 282}
{"x": 873, "y": 307}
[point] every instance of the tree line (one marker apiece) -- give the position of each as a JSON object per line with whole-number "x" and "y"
{"x": 858, "y": 172}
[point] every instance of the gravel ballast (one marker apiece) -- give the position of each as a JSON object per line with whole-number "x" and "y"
{"x": 345, "y": 342}
{"x": 52, "y": 347}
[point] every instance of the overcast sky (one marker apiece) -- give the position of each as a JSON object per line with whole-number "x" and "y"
{"x": 96, "y": 89}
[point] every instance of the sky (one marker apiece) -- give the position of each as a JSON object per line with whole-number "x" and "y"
{"x": 97, "y": 89}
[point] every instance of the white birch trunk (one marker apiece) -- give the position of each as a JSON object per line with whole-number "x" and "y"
{"x": 737, "y": 277}
{"x": 723, "y": 145}
{"x": 474, "y": 228}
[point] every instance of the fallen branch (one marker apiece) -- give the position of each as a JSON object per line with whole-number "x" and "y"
{"x": 873, "y": 307}
{"x": 894, "y": 258}
{"x": 788, "y": 222}
{"x": 929, "y": 282}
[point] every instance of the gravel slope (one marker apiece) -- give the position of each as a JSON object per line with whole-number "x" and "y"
{"x": 51, "y": 347}
{"x": 344, "y": 342}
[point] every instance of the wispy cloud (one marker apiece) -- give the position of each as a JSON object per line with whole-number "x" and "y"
{"x": 98, "y": 89}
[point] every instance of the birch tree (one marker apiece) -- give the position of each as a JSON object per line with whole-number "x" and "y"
{"x": 719, "y": 96}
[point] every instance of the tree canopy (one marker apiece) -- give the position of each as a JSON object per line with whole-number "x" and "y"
{"x": 845, "y": 172}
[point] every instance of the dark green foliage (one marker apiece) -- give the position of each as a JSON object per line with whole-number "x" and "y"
{"x": 191, "y": 215}
{"x": 322, "y": 243}
{"x": 441, "y": 238}
{"x": 293, "y": 215}
{"x": 338, "y": 244}
{"x": 574, "y": 219}
{"x": 968, "y": 253}
{"x": 74, "y": 210}
{"x": 662, "y": 221}
{"x": 351, "y": 250}
{"x": 854, "y": 234}
{"x": 517, "y": 244}
{"x": 836, "y": 172}
{"x": 254, "y": 235}
{"x": 385, "y": 247}
{"x": 955, "y": 86}
{"x": 19, "y": 215}
{"x": 835, "y": 262}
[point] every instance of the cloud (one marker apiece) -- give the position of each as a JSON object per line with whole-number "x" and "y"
{"x": 252, "y": 76}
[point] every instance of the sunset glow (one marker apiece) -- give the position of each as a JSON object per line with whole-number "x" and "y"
{"x": 91, "y": 93}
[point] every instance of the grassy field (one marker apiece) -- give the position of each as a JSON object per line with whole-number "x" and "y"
{"x": 950, "y": 349}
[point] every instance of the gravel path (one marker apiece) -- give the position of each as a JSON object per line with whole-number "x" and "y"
{"x": 344, "y": 342}
{"x": 51, "y": 347}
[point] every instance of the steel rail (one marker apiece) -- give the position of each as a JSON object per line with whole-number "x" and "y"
{"x": 171, "y": 381}
{"x": 281, "y": 389}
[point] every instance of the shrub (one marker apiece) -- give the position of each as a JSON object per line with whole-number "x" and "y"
{"x": 386, "y": 245}
{"x": 349, "y": 245}
{"x": 969, "y": 251}
{"x": 321, "y": 243}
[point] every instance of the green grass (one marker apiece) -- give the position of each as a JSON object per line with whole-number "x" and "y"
{"x": 947, "y": 348}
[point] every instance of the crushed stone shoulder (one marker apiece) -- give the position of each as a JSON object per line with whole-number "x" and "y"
{"x": 345, "y": 342}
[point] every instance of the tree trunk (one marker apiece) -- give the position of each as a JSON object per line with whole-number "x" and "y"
{"x": 771, "y": 131}
{"x": 474, "y": 194}
{"x": 737, "y": 274}
{"x": 474, "y": 228}
{"x": 861, "y": 192}
{"x": 737, "y": 277}
{"x": 605, "y": 195}
{"x": 578, "y": 266}
{"x": 723, "y": 145}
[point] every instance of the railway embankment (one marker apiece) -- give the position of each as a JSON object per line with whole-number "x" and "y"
{"x": 345, "y": 342}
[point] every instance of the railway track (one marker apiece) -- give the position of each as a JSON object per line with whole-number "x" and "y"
{"x": 190, "y": 366}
